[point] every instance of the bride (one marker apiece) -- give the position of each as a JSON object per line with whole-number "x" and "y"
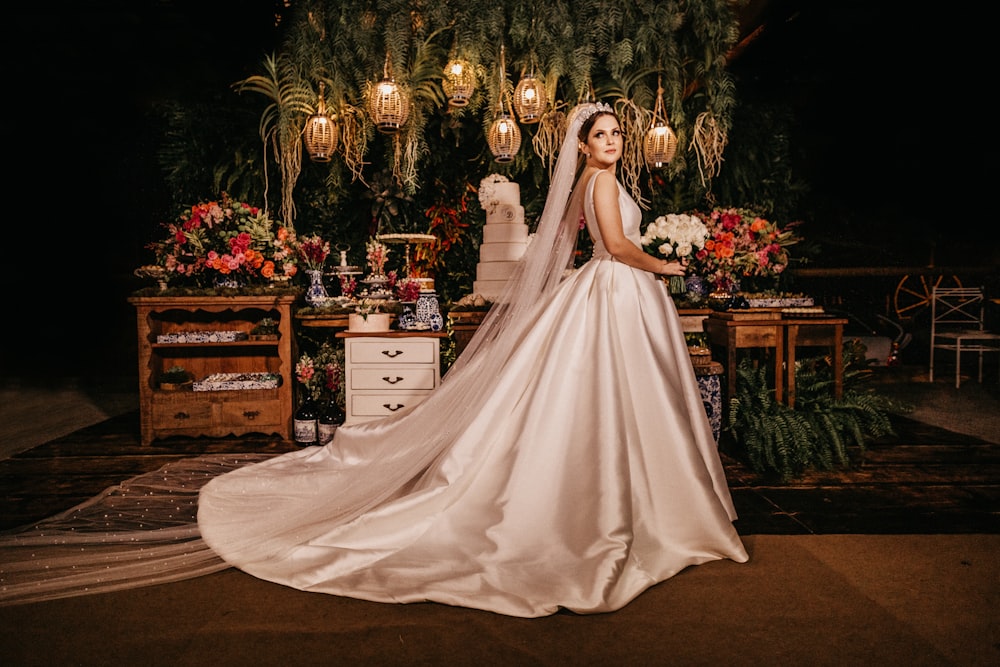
{"x": 565, "y": 462}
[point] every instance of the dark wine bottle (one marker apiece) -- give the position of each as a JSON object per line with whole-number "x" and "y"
{"x": 305, "y": 423}
{"x": 330, "y": 417}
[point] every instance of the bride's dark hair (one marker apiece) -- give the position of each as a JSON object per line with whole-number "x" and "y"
{"x": 588, "y": 124}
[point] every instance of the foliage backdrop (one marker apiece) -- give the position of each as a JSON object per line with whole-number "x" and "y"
{"x": 423, "y": 180}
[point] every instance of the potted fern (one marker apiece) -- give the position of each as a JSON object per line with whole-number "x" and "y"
{"x": 265, "y": 329}
{"x": 175, "y": 378}
{"x": 820, "y": 432}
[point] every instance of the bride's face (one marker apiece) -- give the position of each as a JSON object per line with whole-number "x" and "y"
{"x": 604, "y": 142}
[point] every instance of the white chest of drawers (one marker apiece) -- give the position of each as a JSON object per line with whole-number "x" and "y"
{"x": 388, "y": 372}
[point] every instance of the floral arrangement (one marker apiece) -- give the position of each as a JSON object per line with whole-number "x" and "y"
{"x": 323, "y": 373}
{"x": 366, "y": 307}
{"x": 376, "y": 254}
{"x": 348, "y": 286}
{"x": 225, "y": 240}
{"x": 313, "y": 251}
{"x": 408, "y": 290}
{"x": 675, "y": 237}
{"x": 742, "y": 244}
{"x": 487, "y": 191}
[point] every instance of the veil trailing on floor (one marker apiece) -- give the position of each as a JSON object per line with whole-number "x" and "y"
{"x": 145, "y": 530}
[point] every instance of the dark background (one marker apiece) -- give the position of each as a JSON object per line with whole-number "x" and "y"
{"x": 891, "y": 135}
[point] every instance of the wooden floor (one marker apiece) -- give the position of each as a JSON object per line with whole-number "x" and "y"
{"x": 923, "y": 480}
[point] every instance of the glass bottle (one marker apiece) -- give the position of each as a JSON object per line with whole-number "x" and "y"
{"x": 330, "y": 417}
{"x": 305, "y": 423}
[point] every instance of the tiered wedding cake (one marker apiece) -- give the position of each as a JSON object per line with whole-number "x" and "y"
{"x": 505, "y": 235}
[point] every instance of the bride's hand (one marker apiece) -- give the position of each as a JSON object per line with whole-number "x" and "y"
{"x": 674, "y": 268}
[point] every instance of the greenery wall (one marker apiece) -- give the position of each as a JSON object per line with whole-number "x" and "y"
{"x": 424, "y": 178}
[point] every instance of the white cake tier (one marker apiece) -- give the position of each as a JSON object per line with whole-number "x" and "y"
{"x": 489, "y": 289}
{"x": 505, "y": 214}
{"x": 494, "y": 270}
{"x": 507, "y": 193}
{"x": 501, "y": 252}
{"x": 505, "y": 233}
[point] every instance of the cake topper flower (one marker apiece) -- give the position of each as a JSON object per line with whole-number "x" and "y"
{"x": 488, "y": 192}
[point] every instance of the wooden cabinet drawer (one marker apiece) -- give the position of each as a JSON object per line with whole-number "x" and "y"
{"x": 173, "y": 413}
{"x": 396, "y": 378}
{"x": 392, "y": 351}
{"x": 251, "y": 413}
{"x": 368, "y": 406}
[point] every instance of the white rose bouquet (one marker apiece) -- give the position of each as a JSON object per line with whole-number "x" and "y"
{"x": 675, "y": 237}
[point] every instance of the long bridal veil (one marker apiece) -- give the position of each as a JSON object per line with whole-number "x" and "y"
{"x": 145, "y": 530}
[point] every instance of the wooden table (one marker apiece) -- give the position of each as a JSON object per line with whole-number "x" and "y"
{"x": 749, "y": 330}
{"x": 815, "y": 332}
{"x": 738, "y": 331}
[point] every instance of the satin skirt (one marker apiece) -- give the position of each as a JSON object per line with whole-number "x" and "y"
{"x": 588, "y": 474}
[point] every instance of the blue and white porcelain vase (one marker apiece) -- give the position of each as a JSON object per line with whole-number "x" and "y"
{"x": 407, "y": 315}
{"x": 427, "y": 306}
{"x": 316, "y": 293}
{"x": 697, "y": 288}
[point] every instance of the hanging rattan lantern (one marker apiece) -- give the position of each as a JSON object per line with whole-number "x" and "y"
{"x": 388, "y": 103}
{"x": 459, "y": 82}
{"x": 504, "y": 136}
{"x": 661, "y": 142}
{"x": 321, "y": 132}
{"x": 529, "y": 99}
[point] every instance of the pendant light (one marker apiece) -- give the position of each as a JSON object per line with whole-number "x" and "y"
{"x": 459, "y": 82}
{"x": 529, "y": 97}
{"x": 504, "y": 136}
{"x": 321, "y": 132}
{"x": 661, "y": 142}
{"x": 388, "y": 103}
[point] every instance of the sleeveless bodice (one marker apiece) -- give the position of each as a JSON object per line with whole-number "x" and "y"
{"x": 631, "y": 218}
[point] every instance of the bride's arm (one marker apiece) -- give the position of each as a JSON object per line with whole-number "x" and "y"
{"x": 609, "y": 221}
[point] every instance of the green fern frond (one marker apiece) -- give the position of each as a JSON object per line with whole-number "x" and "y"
{"x": 821, "y": 432}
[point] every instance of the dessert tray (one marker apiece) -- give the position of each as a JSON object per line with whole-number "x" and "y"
{"x": 238, "y": 381}
{"x": 202, "y": 337}
{"x": 803, "y": 312}
{"x": 780, "y": 302}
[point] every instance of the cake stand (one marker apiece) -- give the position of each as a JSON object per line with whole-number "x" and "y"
{"x": 343, "y": 270}
{"x": 407, "y": 240}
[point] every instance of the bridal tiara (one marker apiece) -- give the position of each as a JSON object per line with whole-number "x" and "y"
{"x": 589, "y": 109}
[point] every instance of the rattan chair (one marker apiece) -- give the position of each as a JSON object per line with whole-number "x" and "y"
{"x": 957, "y": 325}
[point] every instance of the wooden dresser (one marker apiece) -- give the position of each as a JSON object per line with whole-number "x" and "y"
{"x": 213, "y": 413}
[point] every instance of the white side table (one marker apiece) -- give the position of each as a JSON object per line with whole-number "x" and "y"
{"x": 388, "y": 372}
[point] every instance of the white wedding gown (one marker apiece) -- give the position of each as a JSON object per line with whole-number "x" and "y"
{"x": 587, "y": 474}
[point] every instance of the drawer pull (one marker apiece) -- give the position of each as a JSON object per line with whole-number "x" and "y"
{"x": 251, "y": 414}
{"x": 392, "y": 354}
{"x": 393, "y": 380}
{"x": 181, "y": 415}
{"x": 393, "y": 408}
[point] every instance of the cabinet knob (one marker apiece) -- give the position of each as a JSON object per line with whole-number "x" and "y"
{"x": 393, "y": 380}
{"x": 393, "y": 408}
{"x": 251, "y": 414}
{"x": 392, "y": 354}
{"x": 181, "y": 415}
